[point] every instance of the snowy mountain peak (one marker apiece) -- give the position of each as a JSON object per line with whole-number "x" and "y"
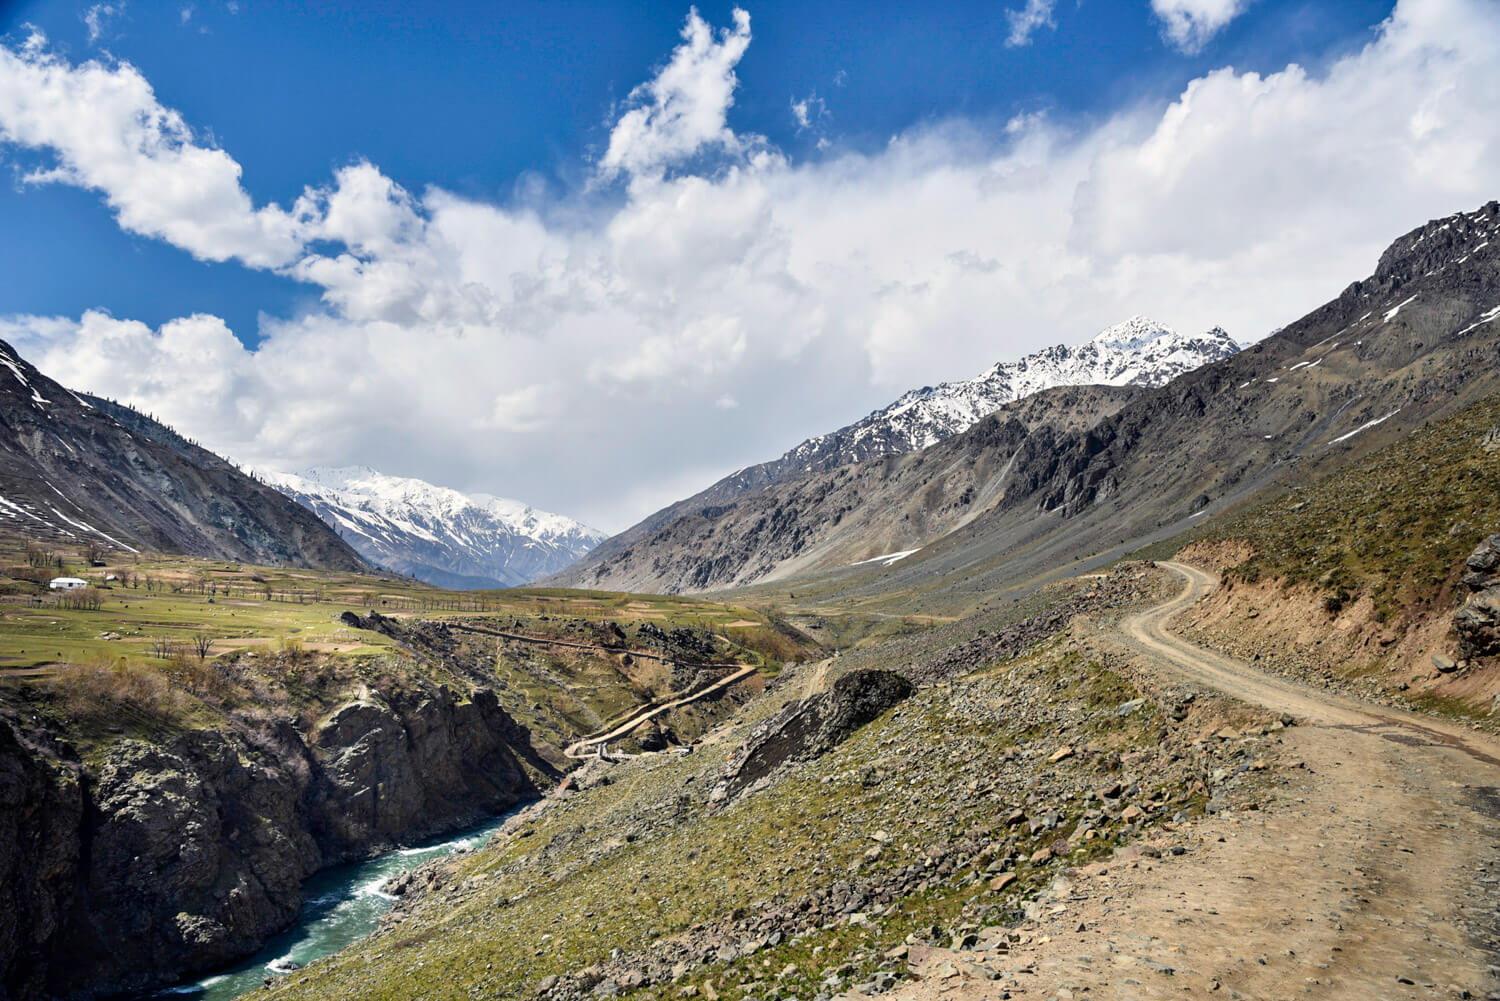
{"x": 1133, "y": 334}
{"x": 1138, "y": 352}
{"x": 435, "y": 533}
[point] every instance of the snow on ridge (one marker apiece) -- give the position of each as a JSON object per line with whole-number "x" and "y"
{"x": 414, "y": 526}
{"x": 1139, "y": 351}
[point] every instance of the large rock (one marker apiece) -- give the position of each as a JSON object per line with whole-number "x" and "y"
{"x": 1478, "y": 621}
{"x": 392, "y": 773}
{"x": 812, "y": 727}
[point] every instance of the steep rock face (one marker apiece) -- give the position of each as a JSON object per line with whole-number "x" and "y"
{"x": 435, "y": 534}
{"x": 78, "y": 468}
{"x": 179, "y": 857}
{"x": 41, "y": 823}
{"x": 387, "y": 774}
{"x": 1478, "y": 621}
{"x": 194, "y": 858}
{"x": 811, "y": 728}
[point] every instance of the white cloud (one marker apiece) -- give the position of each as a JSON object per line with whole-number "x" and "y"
{"x": 683, "y": 110}
{"x": 1026, "y": 21}
{"x": 582, "y": 357}
{"x": 108, "y": 133}
{"x": 96, "y": 19}
{"x": 1189, "y": 24}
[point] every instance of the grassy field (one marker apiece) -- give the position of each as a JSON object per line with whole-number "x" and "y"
{"x": 165, "y": 642}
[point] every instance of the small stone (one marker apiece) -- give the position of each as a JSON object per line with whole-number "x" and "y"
{"x": 1061, "y": 754}
{"x": 999, "y": 883}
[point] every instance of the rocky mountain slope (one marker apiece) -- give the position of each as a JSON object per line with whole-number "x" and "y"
{"x": 1055, "y": 478}
{"x": 78, "y": 468}
{"x": 1138, "y": 352}
{"x": 435, "y": 534}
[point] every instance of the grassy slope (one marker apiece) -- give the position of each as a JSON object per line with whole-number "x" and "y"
{"x": 1395, "y": 526}
{"x": 559, "y": 894}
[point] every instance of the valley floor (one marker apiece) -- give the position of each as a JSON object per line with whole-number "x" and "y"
{"x": 1371, "y": 873}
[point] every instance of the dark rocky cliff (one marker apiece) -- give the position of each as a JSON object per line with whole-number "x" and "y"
{"x": 168, "y": 859}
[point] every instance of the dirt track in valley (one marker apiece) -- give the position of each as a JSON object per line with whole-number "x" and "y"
{"x": 590, "y": 745}
{"x": 1371, "y": 873}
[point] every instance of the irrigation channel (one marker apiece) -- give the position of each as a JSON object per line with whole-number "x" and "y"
{"x": 342, "y": 905}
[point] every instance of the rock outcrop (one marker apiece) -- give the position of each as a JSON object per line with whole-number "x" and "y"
{"x": 41, "y": 824}
{"x": 168, "y": 859}
{"x": 811, "y": 728}
{"x": 1478, "y": 621}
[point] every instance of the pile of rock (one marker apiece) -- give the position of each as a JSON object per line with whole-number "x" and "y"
{"x": 1478, "y": 621}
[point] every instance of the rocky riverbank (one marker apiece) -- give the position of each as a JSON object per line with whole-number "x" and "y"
{"x": 164, "y": 859}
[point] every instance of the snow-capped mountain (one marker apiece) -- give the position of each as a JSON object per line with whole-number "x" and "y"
{"x": 1138, "y": 352}
{"x": 436, "y": 534}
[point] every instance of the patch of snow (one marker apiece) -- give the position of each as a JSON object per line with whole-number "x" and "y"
{"x": 1365, "y": 426}
{"x": 888, "y": 558}
{"x": 1484, "y": 318}
{"x": 1392, "y": 314}
{"x": 15, "y": 369}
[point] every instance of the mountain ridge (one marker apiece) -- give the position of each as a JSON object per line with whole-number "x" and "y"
{"x": 1015, "y": 495}
{"x": 1136, "y": 352}
{"x": 437, "y": 534}
{"x": 78, "y": 467}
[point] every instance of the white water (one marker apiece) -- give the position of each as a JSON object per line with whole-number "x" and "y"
{"x": 342, "y": 905}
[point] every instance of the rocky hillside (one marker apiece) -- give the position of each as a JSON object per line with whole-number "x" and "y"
{"x": 843, "y": 818}
{"x": 435, "y": 534}
{"x": 1026, "y": 489}
{"x": 1138, "y": 352}
{"x": 76, "y": 468}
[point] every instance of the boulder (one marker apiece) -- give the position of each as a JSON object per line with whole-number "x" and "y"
{"x": 1477, "y": 622}
{"x": 812, "y": 727}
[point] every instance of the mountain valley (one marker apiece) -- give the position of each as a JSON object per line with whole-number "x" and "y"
{"x": 1012, "y": 711}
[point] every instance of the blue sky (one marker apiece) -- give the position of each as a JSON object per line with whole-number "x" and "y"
{"x": 479, "y": 98}
{"x": 679, "y": 242}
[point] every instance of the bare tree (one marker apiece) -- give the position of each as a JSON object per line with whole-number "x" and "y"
{"x": 202, "y": 644}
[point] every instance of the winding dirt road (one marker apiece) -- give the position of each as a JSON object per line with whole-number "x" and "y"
{"x": 592, "y": 745}
{"x": 1373, "y": 873}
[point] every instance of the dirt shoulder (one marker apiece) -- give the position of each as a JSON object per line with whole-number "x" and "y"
{"x": 1368, "y": 873}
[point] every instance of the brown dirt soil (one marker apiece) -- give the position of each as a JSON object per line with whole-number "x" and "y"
{"x": 1369, "y": 873}
{"x": 1289, "y": 630}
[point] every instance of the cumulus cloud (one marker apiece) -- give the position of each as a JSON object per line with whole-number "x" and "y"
{"x": 603, "y": 359}
{"x": 683, "y": 110}
{"x": 107, "y": 132}
{"x": 1026, "y": 21}
{"x": 1189, "y": 24}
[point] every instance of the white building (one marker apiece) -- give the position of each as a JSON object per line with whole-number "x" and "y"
{"x": 68, "y": 584}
